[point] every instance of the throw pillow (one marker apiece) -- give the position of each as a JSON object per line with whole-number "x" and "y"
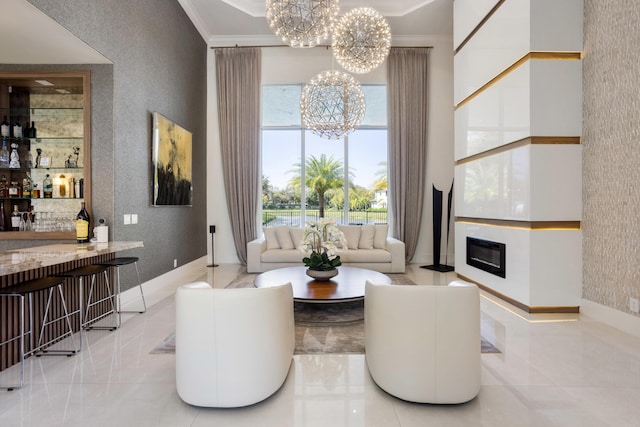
{"x": 352, "y": 234}
{"x": 284, "y": 237}
{"x": 366, "y": 237}
{"x": 296, "y": 236}
{"x": 380, "y": 238}
{"x": 271, "y": 238}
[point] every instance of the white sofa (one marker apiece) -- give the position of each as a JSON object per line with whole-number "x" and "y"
{"x": 234, "y": 347}
{"x": 422, "y": 343}
{"x": 368, "y": 247}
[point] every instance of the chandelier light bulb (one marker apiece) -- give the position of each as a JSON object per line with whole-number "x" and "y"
{"x": 332, "y": 104}
{"x": 302, "y": 23}
{"x": 361, "y": 40}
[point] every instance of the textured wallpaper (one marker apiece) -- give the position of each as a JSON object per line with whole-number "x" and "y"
{"x": 159, "y": 64}
{"x": 611, "y": 157}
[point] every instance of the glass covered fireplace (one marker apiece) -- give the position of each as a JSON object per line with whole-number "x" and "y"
{"x": 486, "y": 255}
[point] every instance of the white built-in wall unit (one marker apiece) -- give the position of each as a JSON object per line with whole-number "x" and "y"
{"x": 518, "y": 126}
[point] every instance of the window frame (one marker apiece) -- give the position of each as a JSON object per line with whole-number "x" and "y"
{"x": 303, "y": 130}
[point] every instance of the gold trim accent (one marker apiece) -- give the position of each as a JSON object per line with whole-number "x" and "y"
{"x": 529, "y": 309}
{"x": 533, "y": 55}
{"x": 522, "y": 225}
{"x": 484, "y": 20}
{"x": 532, "y": 140}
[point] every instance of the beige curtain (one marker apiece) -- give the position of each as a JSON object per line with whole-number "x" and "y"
{"x": 238, "y": 86}
{"x": 408, "y": 109}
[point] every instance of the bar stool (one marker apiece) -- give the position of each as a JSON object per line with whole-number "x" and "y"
{"x": 93, "y": 271}
{"x": 28, "y": 289}
{"x": 117, "y": 263}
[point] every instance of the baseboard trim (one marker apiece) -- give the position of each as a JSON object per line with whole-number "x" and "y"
{"x": 165, "y": 285}
{"x": 535, "y": 309}
{"x": 609, "y": 316}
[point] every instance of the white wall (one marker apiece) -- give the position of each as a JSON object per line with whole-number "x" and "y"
{"x": 288, "y": 65}
{"x": 534, "y": 102}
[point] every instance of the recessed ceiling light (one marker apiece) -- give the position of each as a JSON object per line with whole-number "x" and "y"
{"x": 44, "y": 83}
{"x": 63, "y": 91}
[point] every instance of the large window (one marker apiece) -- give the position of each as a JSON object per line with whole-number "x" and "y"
{"x": 305, "y": 176}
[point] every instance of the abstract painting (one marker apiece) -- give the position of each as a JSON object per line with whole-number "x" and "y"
{"x": 172, "y": 162}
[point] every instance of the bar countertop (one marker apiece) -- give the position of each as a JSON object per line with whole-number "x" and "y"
{"x": 18, "y": 260}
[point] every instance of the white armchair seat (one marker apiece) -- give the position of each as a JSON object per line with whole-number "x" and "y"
{"x": 234, "y": 347}
{"x": 422, "y": 343}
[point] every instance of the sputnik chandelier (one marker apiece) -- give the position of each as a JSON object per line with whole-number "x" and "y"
{"x": 332, "y": 104}
{"x": 361, "y": 40}
{"x": 302, "y": 23}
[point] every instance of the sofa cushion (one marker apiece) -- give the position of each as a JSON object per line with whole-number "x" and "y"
{"x": 271, "y": 238}
{"x": 380, "y": 237}
{"x": 365, "y": 256}
{"x": 282, "y": 255}
{"x": 367, "y": 232}
{"x": 284, "y": 237}
{"x": 352, "y": 234}
{"x": 297, "y": 234}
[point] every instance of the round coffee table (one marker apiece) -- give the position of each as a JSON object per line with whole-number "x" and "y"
{"x": 348, "y": 285}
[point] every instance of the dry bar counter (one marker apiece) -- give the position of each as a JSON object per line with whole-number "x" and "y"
{"x": 19, "y": 265}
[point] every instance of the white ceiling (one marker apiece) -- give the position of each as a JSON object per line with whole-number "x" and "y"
{"x": 44, "y": 41}
{"x": 31, "y": 37}
{"x": 240, "y": 19}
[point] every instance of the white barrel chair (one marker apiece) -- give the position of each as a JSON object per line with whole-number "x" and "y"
{"x": 234, "y": 347}
{"x": 422, "y": 343}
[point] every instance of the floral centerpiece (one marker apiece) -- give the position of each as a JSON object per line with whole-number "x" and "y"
{"x": 322, "y": 238}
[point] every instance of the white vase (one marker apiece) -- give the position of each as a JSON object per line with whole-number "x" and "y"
{"x": 322, "y": 275}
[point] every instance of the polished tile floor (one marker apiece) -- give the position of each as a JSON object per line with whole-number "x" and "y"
{"x": 554, "y": 370}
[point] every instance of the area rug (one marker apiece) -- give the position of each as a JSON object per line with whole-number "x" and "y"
{"x": 323, "y": 328}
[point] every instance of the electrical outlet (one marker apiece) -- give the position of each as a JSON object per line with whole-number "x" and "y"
{"x": 127, "y": 219}
{"x": 134, "y": 218}
{"x": 634, "y": 305}
{"x": 175, "y": 263}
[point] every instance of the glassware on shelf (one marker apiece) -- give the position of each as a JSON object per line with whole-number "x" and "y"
{"x": 23, "y": 222}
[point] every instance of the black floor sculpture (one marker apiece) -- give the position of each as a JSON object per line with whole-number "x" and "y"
{"x": 437, "y": 230}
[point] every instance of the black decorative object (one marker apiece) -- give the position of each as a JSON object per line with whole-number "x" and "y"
{"x": 449, "y": 204}
{"x": 437, "y": 230}
{"x": 212, "y": 230}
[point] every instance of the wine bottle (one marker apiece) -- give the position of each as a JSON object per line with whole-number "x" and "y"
{"x": 35, "y": 192}
{"x": 4, "y": 190}
{"x": 82, "y": 225}
{"x": 4, "y": 155}
{"x": 27, "y": 185}
{"x": 33, "y": 131}
{"x": 47, "y": 187}
{"x": 28, "y": 159}
{"x": 15, "y": 219}
{"x": 5, "y": 128}
{"x": 17, "y": 130}
{"x": 3, "y": 224}
{"x": 62, "y": 186}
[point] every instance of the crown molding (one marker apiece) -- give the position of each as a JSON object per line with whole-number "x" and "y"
{"x": 273, "y": 40}
{"x": 195, "y": 18}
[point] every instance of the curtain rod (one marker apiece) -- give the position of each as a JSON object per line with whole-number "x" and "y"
{"x": 323, "y": 45}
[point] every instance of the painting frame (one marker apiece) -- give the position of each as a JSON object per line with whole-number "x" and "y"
{"x": 172, "y": 162}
